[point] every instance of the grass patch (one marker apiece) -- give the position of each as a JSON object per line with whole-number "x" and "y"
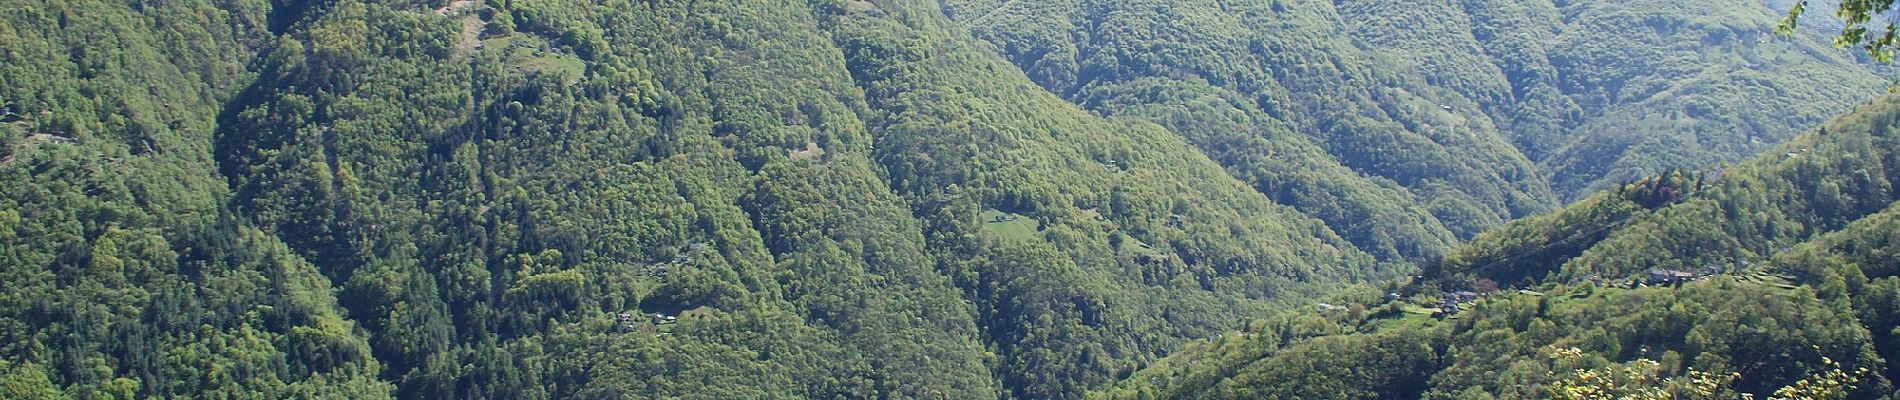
{"x": 1131, "y": 245}
{"x": 1002, "y": 225}
{"x": 534, "y": 55}
{"x": 1409, "y": 315}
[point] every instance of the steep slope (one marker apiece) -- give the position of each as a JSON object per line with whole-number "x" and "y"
{"x": 836, "y": 199}
{"x": 1732, "y": 215}
{"x": 1818, "y": 211}
{"x": 1479, "y": 111}
{"x": 1200, "y": 69}
{"x": 505, "y": 222}
{"x": 1189, "y": 244}
{"x": 1714, "y": 86}
{"x": 124, "y": 274}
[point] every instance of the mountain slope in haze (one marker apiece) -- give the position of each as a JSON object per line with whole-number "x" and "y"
{"x": 1364, "y": 112}
{"x": 1801, "y": 240}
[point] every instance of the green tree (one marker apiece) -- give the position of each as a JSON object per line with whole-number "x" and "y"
{"x": 1866, "y": 24}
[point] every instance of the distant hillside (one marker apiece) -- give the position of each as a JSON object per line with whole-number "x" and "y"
{"x": 1365, "y": 113}
{"x": 1728, "y": 216}
{"x": 1799, "y": 241}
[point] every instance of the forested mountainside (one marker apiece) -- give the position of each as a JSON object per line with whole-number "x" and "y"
{"x": 532, "y": 199}
{"x": 483, "y": 200}
{"x": 1405, "y": 123}
{"x": 1748, "y": 278}
{"x": 125, "y": 274}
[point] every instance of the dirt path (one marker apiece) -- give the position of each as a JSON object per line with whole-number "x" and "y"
{"x": 472, "y": 27}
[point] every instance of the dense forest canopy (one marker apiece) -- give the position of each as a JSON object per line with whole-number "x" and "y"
{"x": 959, "y": 199}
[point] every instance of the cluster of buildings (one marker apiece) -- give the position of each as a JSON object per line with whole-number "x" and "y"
{"x": 685, "y": 256}
{"x": 627, "y": 323}
{"x": 1678, "y": 277}
{"x": 1450, "y": 302}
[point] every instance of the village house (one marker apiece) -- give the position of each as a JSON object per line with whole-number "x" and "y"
{"x": 1671, "y": 277}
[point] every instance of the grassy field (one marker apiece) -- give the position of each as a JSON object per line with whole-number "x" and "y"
{"x": 1010, "y": 226}
{"x": 530, "y": 53}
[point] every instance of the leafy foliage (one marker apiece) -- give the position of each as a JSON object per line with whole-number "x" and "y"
{"x": 1860, "y": 25}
